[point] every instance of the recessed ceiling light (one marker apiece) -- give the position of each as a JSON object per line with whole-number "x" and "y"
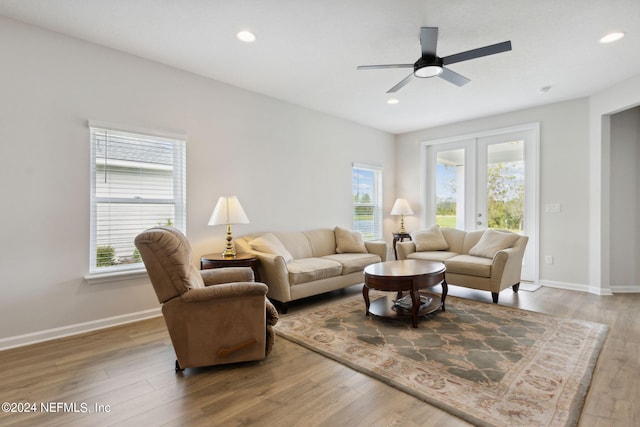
{"x": 611, "y": 37}
{"x": 246, "y": 36}
{"x": 392, "y": 101}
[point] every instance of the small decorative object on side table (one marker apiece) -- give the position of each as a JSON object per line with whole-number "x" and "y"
{"x": 399, "y": 237}
{"x": 241, "y": 260}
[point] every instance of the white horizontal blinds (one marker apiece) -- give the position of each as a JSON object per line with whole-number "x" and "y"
{"x": 138, "y": 181}
{"x": 367, "y": 201}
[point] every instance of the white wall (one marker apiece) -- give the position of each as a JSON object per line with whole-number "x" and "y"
{"x": 602, "y": 105}
{"x": 290, "y": 167}
{"x": 624, "y": 199}
{"x": 564, "y": 172}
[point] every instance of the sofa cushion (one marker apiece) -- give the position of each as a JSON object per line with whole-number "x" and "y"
{"x": 309, "y": 269}
{"x": 469, "y": 265}
{"x": 430, "y": 239}
{"x": 348, "y": 241}
{"x": 440, "y": 256}
{"x": 296, "y": 242}
{"x": 322, "y": 241}
{"x": 493, "y": 241}
{"x": 353, "y": 262}
{"x": 270, "y": 244}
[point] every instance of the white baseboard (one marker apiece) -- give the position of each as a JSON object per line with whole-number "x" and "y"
{"x": 65, "y": 331}
{"x": 631, "y": 289}
{"x": 576, "y": 287}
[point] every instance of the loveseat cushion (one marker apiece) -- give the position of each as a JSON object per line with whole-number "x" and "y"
{"x": 440, "y": 256}
{"x": 469, "y": 265}
{"x": 430, "y": 239}
{"x": 309, "y": 269}
{"x": 353, "y": 262}
{"x": 493, "y": 241}
{"x": 348, "y": 241}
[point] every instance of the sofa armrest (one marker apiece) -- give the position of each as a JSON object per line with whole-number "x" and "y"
{"x": 273, "y": 272}
{"x": 377, "y": 248}
{"x": 506, "y": 268}
{"x": 225, "y": 290}
{"x": 216, "y": 276}
{"x": 404, "y": 249}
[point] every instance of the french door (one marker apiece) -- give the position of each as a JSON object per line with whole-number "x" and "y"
{"x": 484, "y": 181}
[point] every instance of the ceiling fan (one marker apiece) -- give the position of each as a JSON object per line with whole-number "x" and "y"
{"x": 431, "y": 65}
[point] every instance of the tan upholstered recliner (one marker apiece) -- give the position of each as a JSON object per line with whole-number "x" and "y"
{"x": 213, "y": 316}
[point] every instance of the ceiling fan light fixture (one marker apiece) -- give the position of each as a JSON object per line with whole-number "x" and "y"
{"x": 428, "y": 71}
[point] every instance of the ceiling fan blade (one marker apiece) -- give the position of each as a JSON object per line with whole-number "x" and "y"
{"x": 428, "y": 41}
{"x": 375, "y": 67}
{"x": 402, "y": 84}
{"x": 477, "y": 53}
{"x": 453, "y": 77}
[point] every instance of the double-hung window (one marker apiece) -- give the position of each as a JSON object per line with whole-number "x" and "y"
{"x": 137, "y": 182}
{"x": 367, "y": 201}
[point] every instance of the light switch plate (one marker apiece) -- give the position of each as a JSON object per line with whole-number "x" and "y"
{"x": 552, "y": 208}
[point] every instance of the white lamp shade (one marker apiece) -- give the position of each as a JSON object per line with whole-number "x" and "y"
{"x": 228, "y": 210}
{"x": 401, "y": 207}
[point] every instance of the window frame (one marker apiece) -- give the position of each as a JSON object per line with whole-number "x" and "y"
{"x": 178, "y": 140}
{"x": 377, "y": 200}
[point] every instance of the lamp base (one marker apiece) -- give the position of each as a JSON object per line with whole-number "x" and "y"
{"x": 402, "y": 229}
{"x": 229, "y": 251}
{"x": 226, "y": 254}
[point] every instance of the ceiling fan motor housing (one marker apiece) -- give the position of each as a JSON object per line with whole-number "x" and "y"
{"x": 427, "y": 67}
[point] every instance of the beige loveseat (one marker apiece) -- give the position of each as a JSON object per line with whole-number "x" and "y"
{"x": 489, "y": 260}
{"x": 296, "y": 265}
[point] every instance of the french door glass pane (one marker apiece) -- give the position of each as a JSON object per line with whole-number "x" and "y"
{"x": 450, "y": 170}
{"x": 505, "y": 186}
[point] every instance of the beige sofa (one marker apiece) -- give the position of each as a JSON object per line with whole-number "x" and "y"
{"x": 296, "y": 265}
{"x": 489, "y": 260}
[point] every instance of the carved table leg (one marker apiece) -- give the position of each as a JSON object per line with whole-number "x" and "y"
{"x": 365, "y": 294}
{"x": 415, "y": 307}
{"x": 445, "y": 291}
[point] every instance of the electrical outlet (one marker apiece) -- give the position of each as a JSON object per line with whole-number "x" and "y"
{"x": 548, "y": 259}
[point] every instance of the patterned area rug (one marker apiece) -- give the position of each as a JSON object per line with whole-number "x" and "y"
{"x": 488, "y": 364}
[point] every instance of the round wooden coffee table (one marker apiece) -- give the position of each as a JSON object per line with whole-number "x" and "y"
{"x": 399, "y": 276}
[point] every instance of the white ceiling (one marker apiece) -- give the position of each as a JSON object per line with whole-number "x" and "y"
{"x": 307, "y": 50}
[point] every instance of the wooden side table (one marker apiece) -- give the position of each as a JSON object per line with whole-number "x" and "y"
{"x": 399, "y": 237}
{"x": 241, "y": 260}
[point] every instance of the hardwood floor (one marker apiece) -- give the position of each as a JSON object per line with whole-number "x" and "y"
{"x": 128, "y": 372}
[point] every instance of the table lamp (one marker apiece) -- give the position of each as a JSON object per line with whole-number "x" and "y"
{"x": 401, "y": 207}
{"x": 228, "y": 211}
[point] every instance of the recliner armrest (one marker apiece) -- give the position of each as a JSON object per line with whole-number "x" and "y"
{"x": 225, "y": 290}
{"x": 227, "y": 275}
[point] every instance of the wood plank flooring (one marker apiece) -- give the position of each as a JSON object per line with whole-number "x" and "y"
{"x": 127, "y": 371}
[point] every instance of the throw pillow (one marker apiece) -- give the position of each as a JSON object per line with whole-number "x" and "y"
{"x": 493, "y": 241}
{"x": 430, "y": 239}
{"x": 348, "y": 241}
{"x": 270, "y": 244}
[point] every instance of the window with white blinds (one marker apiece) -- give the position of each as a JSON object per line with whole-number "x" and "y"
{"x": 137, "y": 182}
{"x": 367, "y": 201}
